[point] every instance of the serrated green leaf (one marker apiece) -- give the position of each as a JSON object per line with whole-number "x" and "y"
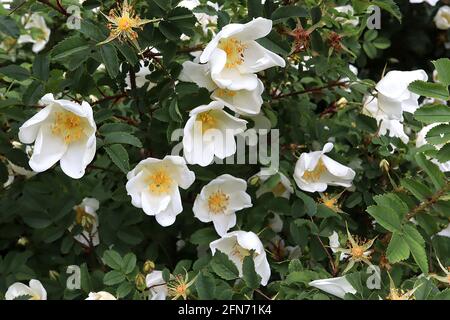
{"x": 113, "y": 277}
{"x": 112, "y": 259}
{"x": 416, "y": 246}
{"x": 122, "y": 138}
{"x": 119, "y": 156}
{"x": 433, "y": 113}
{"x": 397, "y": 249}
{"x": 429, "y": 89}
{"x": 205, "y": 286}
{"x": 251, "y": 278}
{"x": 15, "y": 72}
{"x": 386, "y": 217}
{"x": 223, "y": 266}
{"x": 110, "y": 59}
{"x": 128, "y": 263}
{"x": 437, "y": 177}
{"x": 443, "y": 69}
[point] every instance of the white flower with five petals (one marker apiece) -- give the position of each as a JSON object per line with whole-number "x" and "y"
{"x": 245, "y": 102}
{"x": 210, "y": 132}
{"x": 315, "y": 171}
{"x": 154, "y": 186}
{"x": 34, "y": 291}
{"x": 219, "y": 200}
{"x": 239, "y": 244}
{"x": 393, "y": 97}
{"x": 63, "y": 131}
{"x": 234, "y": 55}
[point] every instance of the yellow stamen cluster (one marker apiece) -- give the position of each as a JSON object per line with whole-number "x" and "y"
{"x": 314, "y": 175}
{"x": 179, "y": 286}
{"x": 234, "y": 50}
{"x": 225, "y": 93}
{"x": 208, "y": 121}
{"x": 218, "y": 202}
{"x": 279, "y": 190}
{"x": 399, "y": 294}
{"x": 84, "y": 219}
{"x": 159, "y": 182}
{"x": 122, "y": 21}
{"x": 69, "y": 126}
{"x": 240, "y": 252}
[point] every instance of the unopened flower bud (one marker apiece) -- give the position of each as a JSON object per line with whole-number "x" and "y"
{"x": 140, "y": 282}
{"x": 253, "y": 181}
{"x": 384, "y": 165}
{"x": 149, "y": 266}
{"x": 23, "y": 241}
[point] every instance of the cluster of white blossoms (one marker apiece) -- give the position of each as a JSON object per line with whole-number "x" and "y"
{"x": 392, "y": 99}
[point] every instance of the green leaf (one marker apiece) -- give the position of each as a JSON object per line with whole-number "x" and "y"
{"x": 429, "y": 89}
{"x": 203, "y": 236}
{"x": 122, "y": 138}
{"x": 290, "y": 11}
{"x": 443, "y": 69}
{"x": 397, "y": 249}
{"x": 386, "y": 217}
{"x": 418, "y": 189}
{"x": 33, "y": 93}
{"x": 129, "y": 263}
{"x": 109, "y": 58}
{"x": 112, "y": 259}
{"x": 310, "y": 204}
{"x": 15, "y": 72}
{"x": 251, "y": 278}
{"x": 113, "y": 277}
{"x": 223, "y": 266}
{"x": 390, "y": 6}
{"x": 416, "y": 245}
{"x": 205, "y": 286}
{"x": 437, "y": 177}
{"x": 439, "y": 134}
{"x": 41, "y": 67}
{"x": 71, "y": 52}
{"x": 124, "y": 289}
{"x": 255, "y": 8}
{"x": 119, "y": 156}
{"x": 443, "y": 154}
{"x": 9, "y": 27}
{"x": 433, "y": 113}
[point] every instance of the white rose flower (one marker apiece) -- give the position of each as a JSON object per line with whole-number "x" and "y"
{"x": 235, "y": 56}
{"x": 86, "y": 217}
{"x": 35, "y": 22}
{"x": 34, "y": 290}
{"x": 432, "y": 2}
{"x": 336, "y": 286}
{"x": 315, "y": 171}
{"x": 348, "y": 10}
{"x": 140, "y": 77}
{"x": 245, "y": 102}
{"x": 283, "y": 189}
{"x": 153, "y": 186}
{"x": 210, "y": 132}
{"x": 421, "y": 141}
{"x": 239, "y": 244}
{"x": 393, "y": 96}
{"x": 219, "y": 200}
{"x": 63, "y": 131}
{"x": 158, "y": 289}
{"x": 101, "y": 295}
{"x": 393, "y": 128}
{"x": 442, "y": 18}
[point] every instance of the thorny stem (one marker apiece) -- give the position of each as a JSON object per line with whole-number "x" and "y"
{"x": 58, "y": 7}
{"x": 311, "y": 90}
{"x": 429, "y": 202}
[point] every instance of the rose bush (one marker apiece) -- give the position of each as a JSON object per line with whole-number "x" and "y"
{"x": 224, "y": 150}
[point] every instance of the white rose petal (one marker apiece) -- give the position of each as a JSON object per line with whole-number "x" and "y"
{"x": 237, "y": 245}
{"x": 219, "y": 200}
{"x": 154, "y": 186}
{"x": 335, "y": 286}
{"x": 63, "y": 131}
{"x": 315, "y": 171}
